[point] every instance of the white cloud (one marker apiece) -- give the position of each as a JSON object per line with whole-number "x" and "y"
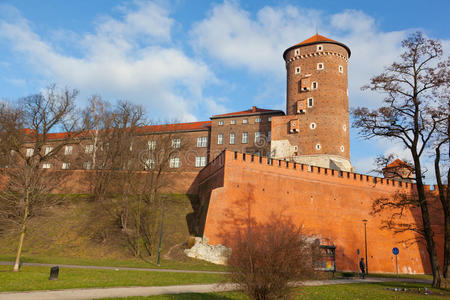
{"x": 122, "y": 59}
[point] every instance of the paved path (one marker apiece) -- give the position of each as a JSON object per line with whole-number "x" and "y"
{"x": 7, "y": 263}
{"x": 97, "y": 293}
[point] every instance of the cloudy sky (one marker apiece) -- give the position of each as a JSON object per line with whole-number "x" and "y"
{"x": 190, "y": 59}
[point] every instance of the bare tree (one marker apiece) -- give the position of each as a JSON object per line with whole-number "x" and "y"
{"x": 409, "y": 86}
{"x": 29, "y": 143}
{"x": 266, "y": 257}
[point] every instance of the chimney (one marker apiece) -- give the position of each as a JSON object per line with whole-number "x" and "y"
{"x": 254, "y": 109}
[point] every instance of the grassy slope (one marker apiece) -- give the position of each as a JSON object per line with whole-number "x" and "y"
{"x": 65, "y": 236}
{"x": 36, "y": 278}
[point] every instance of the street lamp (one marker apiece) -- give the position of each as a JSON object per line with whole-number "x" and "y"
{"x": 365, "y": 242}
{"x": 164, "y": 198}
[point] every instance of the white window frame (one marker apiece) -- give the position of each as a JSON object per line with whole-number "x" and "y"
{"x": 200, "y": 161}
{"x": 46, "y": 166}
{"x": 202, "y": 142}
{"x": 244, "y": 138}
{"x": 29, "y": 152}
{"x": 297, "y": 70}
{"x": 232, "y": 138}
{"x": 174, "y": 163}
{"x": 245, "y": 121}
{"x": 220, "y": 123}
{"x": 318, "y": 146}
{"x": 65, "y": 166}
{"x": 258, "y": 120}
{"x": 314, "y": 85}
{"x": 68, "y": 150}
{"x": 319, "y": 48}
{"x": 87, "y": 165}
{"x": 48, "y": 150}
{"x": 344, "y": 127}
{"x": 341, "y": 69}
{"x": 313, "y": 126}
{"x": 233, "y": 122}
{"x": 257, "y": 136}
{"x": 149, "y": 164}
{"x": 89, "y": 148}
{"x": 151, "y": 145}
{"x": 220, "y": 139}
{"x": 176, "y": 143}
{"x": 310, "y": 102}
{"x": 297, "y": 52}
{"x": 269, "y": 119}
{"x": 320, "y": 66}
{"x": 342, "y": 148}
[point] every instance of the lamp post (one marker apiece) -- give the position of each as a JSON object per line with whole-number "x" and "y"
{"x": 164, "y": 197}
{"x": 365, "y": 243}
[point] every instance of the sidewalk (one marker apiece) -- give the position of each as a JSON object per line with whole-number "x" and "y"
{"x": 97, "y": 293}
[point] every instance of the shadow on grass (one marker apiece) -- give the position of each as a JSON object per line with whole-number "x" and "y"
{"x": 187, "y": 296}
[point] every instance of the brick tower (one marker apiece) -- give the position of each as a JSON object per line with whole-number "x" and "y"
{"x": 315, "y": 129}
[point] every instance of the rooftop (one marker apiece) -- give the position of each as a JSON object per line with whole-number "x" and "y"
{"x": 253, "y": 111}
{"x": 317, "y": 39}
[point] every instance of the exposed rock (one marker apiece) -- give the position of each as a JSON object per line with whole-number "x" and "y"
{"x": 217, "y": 254}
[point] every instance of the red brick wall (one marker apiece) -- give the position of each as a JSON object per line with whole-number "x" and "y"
{"x": 328, "y": 204}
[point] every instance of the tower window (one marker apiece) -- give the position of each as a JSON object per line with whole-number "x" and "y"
{"x": 314, "y": 85}
{"x": 297, "y": 52}
{"x": 318, "y": 147}
{"x": 319, "y": 48}
{"x": 320, "y": 66}
{"x": 312, "y": 125}
{"x": 297, "y": 70}
{"x": 344, "y": 127}
{"x": 342, "y": 148}
{"x": 310, "y": 102}
{"x": 341, "y": 69}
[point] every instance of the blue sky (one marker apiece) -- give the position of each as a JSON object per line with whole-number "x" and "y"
{"x": 187, "y": 60}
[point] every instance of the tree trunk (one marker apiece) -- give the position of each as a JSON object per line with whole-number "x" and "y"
{"x": 445, "y": 207}
{"x": 428, "y": 231}
{"x": 23, "y": 230}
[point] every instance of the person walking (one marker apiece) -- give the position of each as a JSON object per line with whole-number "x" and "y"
{"x": 362, "y": 266}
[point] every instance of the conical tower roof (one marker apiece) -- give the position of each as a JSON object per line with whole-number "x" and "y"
{"x": 317, "y": 39}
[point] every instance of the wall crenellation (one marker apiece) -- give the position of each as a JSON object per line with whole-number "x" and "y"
{"x": 349, "y": 177}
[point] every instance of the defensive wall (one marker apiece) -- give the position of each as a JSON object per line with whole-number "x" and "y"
{"x": 328, "y": 204}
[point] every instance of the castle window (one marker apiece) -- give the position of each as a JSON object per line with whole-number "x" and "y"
{"x": 304, "y": 84}
{"x": 233, "y": 122}
{"x": 220, "y": 123}
{"x": 245, "y": 121}
{"x": 30, "y": 152}
{"x": 46, "y": 166}
{"x": 48, "y": 150}
{"x": 310, "y": 102}
{"x": 293, "y": 126}
{"x": 301, "y": 106}
{"x": 65, "y": 166}
{"x": 257, "y": 136}
{"x": 176, "y": 143}
{"x": 87, "y": 165}
{"x": 342, "y": 148}
{"x": 244, "y": 137}
{"x": 151, "y": 145}
{"x": 297, "y": 52}
{"x": 318, "y": 146}
{"x": 174, "y": 162}
{"x": 344, "y": 127}
{"x": 297, "y": 70}
{"x": 200, "y": 161}
{"x": 341, "y": 69}
{"x": 319, "y": 48}
{"x": 312, "y": 125}
{"x": 320, "y": 66}
{"x": 68, "y": 150}
{"x": 232, "y": 138}
{"x": 258, "y": 120}
{"x": 149, "y": 164}
{"x": 89, "y": 149}
{"x": 314, "y": 85}
{"x": 220, "y": 139}
{"x": 202, "y": 141}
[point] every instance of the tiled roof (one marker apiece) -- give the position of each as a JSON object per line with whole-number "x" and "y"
{"x": 316, "y": 39}
{"x": 203, "y": 125}
{"x": 254, "y": 110}
{"x": 397, "y": 163}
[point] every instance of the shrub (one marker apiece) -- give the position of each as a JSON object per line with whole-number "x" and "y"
{"x": 266, "y": 257}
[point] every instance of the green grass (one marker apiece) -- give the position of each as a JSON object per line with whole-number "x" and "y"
{"x": 36, "y": 278}
{"x": 369, "y": 291}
